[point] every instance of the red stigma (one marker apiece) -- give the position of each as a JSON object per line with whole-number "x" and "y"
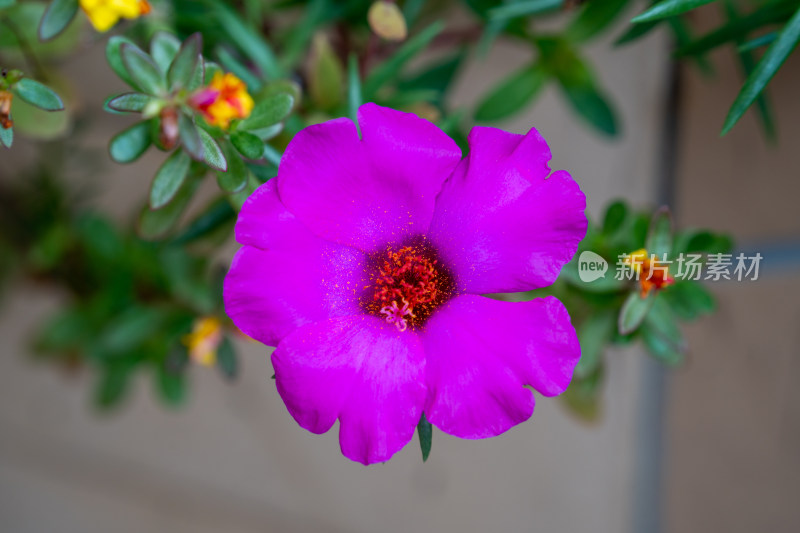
{"x": 408, "y": 284}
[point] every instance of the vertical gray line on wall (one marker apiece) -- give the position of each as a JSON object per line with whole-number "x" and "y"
{"x": 648, "y": 483}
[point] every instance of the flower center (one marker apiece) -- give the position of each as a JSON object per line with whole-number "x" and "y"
{"x": 408, "y": 283}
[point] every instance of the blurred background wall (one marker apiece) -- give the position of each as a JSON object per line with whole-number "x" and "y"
{"x": 710, "y": 446}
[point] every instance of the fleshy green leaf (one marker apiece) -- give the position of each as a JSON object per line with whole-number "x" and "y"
{"x": 212, "y": 154}
{"x": 615, "y": 217}
{"x": 130, "y": 144}
{"x": 325, "y": 75}
{"x": 248, "y": 40}
{"x": 392, "y": 67}
{"x": 37, "y": 95}
{"x": 218, "y": 214}
{"x": 226, "y": 359}
{"x": 689, "y": 299}
{"x": 184, "y": 66}
{"x": 142, "y": 69}
{"x": 268, "y": 112}
{"x": 6, "y": 136}
{"x": 771, "y": 13}
{"x": 235, "y": 177}
{"x": 769, "y": 64}
{"x": 425, "y": 433}
{"x": 592, "y": 106}
{"x": 113, "y": 384}
{"x": 512, "y": 94}
{"x": 248, "y": 144}
{"x": 163, "y": 48}
{"x": 190, "y": 136}
{"x": 172, "y": 384}
{"x": 659, "y": 238}
{"x": 523, "y": 8}
{"x": 595, "y": 16}
{"x": 583, "y": 396}
{"x": 669, "y": 8}
{"x": 661, "y": 334}
{"x": 169, "y": 178}
{"x": 154, "y": 224}
{"x": 634, "y": 311}
{"x": 128, "y": 102}
{"x": 594, "y": 333}
{"x": 57, "y": 16}
{"x": 114, "y": 58}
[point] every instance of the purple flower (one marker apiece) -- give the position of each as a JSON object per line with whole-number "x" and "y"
{"x": 363, "y": 262}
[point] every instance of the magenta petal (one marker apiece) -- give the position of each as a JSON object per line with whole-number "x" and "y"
{"x": 365, "y": 193}
{"x": 363, "y": 372}
{"x": 269, "y": 294}
{"x": 264, "y": 222}
{"x": 500, "y": 223}
{"x": 482, "y": 352}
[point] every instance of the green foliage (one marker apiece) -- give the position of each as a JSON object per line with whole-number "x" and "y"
{"x": 425, "y": 433}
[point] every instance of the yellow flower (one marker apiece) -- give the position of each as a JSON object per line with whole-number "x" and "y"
{"x": 204, "y": 340}
{"x": 224, "y": 99}
{"x": 652, "y": 274}
{"x": 103, "y": 14}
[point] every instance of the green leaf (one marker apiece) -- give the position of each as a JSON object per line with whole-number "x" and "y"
{"x": 771, "y": 13}
{"x": 661, "y": 334}
{"x": 595, "y": 16}
{"x": 702, "y": 241}
{"x": 142, "y": 70}
{"x": 669, "y": 8}
{"x": 226, "y": 359}
{"x": 57, "y": 16}
{"x": 128, "y": 102}
{"x": 113, "y": 384}
{"x": 163, "y": 48}
{"x": 268, "y": 112}
{"x": 512, "y": 94}
{"x": 212, "y": 154}
{"x": 154, "y": 224}
{"x": 248, "y": 144}
{"x": 190, "y": 136}
{"x": 235, "y": 178}
{"x": 37, "y": 95}
{"x": 5, "y": 4}
{"x": 634, "y": 311}
{"x": 184, "y": 66}
{"x": 172, "y": 385}
{"x": 438, "y": 77}
{"x": 169, "y": 178}
{"x": 769, "y": 64}
{"x": 248, "y": 40}
{"x": 594, "y": 333}
{"x": 636, "y": 31}
{"x": 523, "y": 9}
{"x": 236, "y": 66}
{"x": 130, "y": 144}
{"x": 748, "y": 63}
{"x": 583, "y": 396}
{"x": 758, "y": 42}
{"x": 615, "y": 217}
{"x": 218, "y": 214}
{"x": 689, "y": 299}
{"x": 425, "y": 433}
{"x": 325, "y": 75}
{"x": 6, "y": 136}
{"x": 593, "y": 107}
{"x": 237, "y": 199}
{"x": 114, "y": 58}
{"x": 393, "y": 66}
{"x": 354, "y": 97}
{"x": 659, "y": 238}
{"x": 578, "y": 83}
